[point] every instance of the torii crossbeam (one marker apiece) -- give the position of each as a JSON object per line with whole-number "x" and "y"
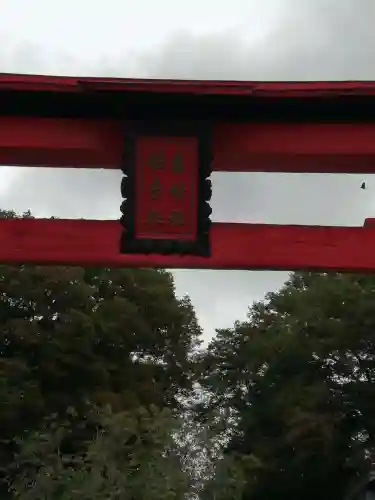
{"x": 167, "y": 136}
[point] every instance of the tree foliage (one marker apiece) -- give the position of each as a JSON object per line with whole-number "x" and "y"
{"x": 299, "y": 376}
{"x": 286, "y": 406}
{"x": 72, "y": 337}
{"x": 131, "y": 457}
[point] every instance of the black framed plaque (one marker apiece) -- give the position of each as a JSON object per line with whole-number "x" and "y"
{"x": 166, "y": 189}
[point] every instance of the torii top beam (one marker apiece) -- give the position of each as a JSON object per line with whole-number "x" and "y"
{"x": 220, "y": 126}
{"x": 284, "y": 127}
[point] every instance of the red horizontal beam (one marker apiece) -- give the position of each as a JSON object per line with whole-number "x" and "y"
{"x": 37, "y": 83}
{"x": 52, "y": 142}
{"x": 272, "y": 147}
{"x": 234, "y": 246}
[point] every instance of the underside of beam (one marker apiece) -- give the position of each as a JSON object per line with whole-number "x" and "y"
{"x": 236, "y": 147}
{"x": 234, "y": 246}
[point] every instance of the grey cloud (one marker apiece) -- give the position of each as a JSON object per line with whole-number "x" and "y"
{"x": 318, "y": 40}
{"x": 313, "y": 40}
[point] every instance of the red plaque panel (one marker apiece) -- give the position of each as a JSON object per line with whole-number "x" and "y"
{"x": 166, "y": 189}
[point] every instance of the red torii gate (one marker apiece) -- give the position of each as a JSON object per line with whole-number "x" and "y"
{"x": 167, "y": 136}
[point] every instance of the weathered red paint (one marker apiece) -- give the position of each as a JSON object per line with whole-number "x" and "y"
{"x": 234, "y": 246}
{"x": 59, "y": 142}
{"x": 303, "y": 147}
{"x": 72, "y": 122}
{"x": 256, "y": 144}
{"x": 203, "y": 87}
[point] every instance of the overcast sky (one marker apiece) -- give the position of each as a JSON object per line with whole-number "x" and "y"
{"x": 198, "y": 39}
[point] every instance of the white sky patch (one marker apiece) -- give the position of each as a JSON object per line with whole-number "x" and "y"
{"x": 7, "y": 176}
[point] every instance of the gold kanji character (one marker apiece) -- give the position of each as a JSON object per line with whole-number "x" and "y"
{"x": 177, "y": 218}
{"x": 156, "y": 161}
{"x": 177, "y": 190}
{"x": 178, "y": 164}
{"x": 155, "y": 188}
{"x": 154, "y": 217}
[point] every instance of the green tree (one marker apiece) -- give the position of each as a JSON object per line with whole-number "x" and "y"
{"x": 112, "y": 467}
{"x": 298, "y": 377}
{"x": 72, "y": 337}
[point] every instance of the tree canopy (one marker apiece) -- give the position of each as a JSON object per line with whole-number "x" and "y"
{"x": 73, "y": 337}
{"x": 299, "y": 376}
{"x": 106, "y": 391}
{"x": 113, "y": 465}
